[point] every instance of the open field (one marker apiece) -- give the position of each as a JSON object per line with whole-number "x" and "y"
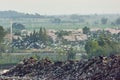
{"x": 66, "y": 22}
{"x": 13, "y": 58}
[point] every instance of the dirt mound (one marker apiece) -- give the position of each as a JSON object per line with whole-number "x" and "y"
{"x": 98, "y": 68}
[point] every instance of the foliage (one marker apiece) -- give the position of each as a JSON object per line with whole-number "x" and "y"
{"x": 66, "y": 53}
{"x": 71, "y": 54}
{"x": 56, "y": 20}
{"x": 118, "y": 21}
{"x": 2, "y": 33}
{"x": 36, "y": 39}
{"x": 61, "y": 53}
{"x": 104, "y": 20}
{"x": 35, "y": 56}
{"x": 17, "y": 28}
{"x": 101, "y": 46}
{"x": 62, "y": 33}
{"x": 86, "y": 30}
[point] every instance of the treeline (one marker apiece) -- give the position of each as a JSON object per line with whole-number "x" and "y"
{"x": 41, "y": 35}
{"x": 102, "y": 43}
{"x": 36, "y": 39}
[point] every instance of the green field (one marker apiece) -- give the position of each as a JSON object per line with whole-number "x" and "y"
{"x": 66, "y": 23}
{"x": 13, "y": 58}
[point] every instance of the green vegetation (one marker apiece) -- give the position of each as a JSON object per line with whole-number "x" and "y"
{"x": 17, "y": 28}
{"x": 56, "y": 20}
{"x": 14, "y": 58}
{"x": 102, "y": 46}
{"x": 2, "y": 33}
{"x": 104, "y": 20}
{"x": 118, "y": 21}
{"x": 62, "y": 33}
{"x": 71, "y": 54}
{"x": 36, "y": 39}
{"x": 86, "y": 30}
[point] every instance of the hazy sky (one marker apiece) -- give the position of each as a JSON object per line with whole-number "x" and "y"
{"x": 51, "y": 7}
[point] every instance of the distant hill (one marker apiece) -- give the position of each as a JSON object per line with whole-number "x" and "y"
{"x": 15, "y": 14}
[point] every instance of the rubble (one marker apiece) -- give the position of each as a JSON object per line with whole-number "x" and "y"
{"x": 97, "y": 68}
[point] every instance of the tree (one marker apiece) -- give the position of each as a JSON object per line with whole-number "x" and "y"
{"x": 2, "y": 33}
{"x": 17, "y": 27}
{"x": 45, "y": 37}
{"x": 40, "y": 33}
{"x": 101, "y": 46}
{"x": 91, "y": 46}
{"x": 71, "y": 55}
{"x": 62, "y": 33}
{"x": 34, "y": 36}
{"x": 104, "y": 20}
{"x": 61, "y": 53}
{"x": 117, "y": 21}
{"x": 56, "y": 20}
{"x": 86, "y": 30}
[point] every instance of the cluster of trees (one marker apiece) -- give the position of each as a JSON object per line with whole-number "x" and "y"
{"x": 71, "y": 54}
{"x": 118, "y": 21}
{"x": 101, "y": 42}
{"x": 62, "y": 33}
{"x": 17, "y": 27}
{"x": 86, "y": 30}
{"x": 102, "y": 45}
{"x": 66, "y": 53}
{"x": 39, "y": 36}
{"x": 2, "y": 34}
{"x": 56, "y": 20}
{"x": 37, "y": 39}
{"x": 104, "y": 20}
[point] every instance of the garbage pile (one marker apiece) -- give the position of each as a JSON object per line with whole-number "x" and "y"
{"x": 97, "y": 68}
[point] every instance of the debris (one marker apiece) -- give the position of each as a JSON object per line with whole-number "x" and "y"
{"x": 98, "y": 68}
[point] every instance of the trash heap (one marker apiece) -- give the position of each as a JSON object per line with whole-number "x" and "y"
{"x": 97, "y": 68}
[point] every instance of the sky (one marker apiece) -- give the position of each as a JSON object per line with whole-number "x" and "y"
{"x": 56, "y": 7}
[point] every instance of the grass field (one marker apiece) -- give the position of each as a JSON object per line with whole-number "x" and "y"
{"x": 13, "y": 58}
{"x": 36, "y": 23}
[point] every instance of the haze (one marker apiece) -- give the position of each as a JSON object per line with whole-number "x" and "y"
{"x": 55, "y": 7}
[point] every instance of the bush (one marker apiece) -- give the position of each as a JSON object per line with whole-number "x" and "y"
{"x": 102, "y": 46}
